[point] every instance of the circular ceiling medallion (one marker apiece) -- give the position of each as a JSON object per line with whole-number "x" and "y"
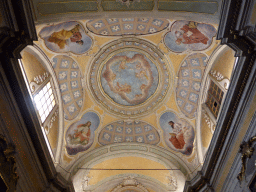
{"x": 129, "y": 77}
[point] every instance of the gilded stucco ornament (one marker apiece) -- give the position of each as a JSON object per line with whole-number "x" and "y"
{"x": 8, "y": 164}
{"x": 129, "y": 77}
{"x": 172, "y": 181}
{"x": 38, "y": 80}
{"x": 246, "y": 149}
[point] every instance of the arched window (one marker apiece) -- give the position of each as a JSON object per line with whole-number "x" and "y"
{"x": 43, "y": 95}
{"x": 44, "y": 100}
{"x": 214, "y": 98}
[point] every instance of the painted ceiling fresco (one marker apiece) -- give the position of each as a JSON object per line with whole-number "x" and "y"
{"x": 69, "y": 78}
{"x": 127, "y": 26}
{"x": 130, "y": 88}
{"x": 190, "y": 76}
{"x": 129, "y": 77}
{"x": 129, "y": 131}
{"x": 53, "y": 10}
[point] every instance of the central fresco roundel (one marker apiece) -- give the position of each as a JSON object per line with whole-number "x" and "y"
{"x": 129, "y": 78}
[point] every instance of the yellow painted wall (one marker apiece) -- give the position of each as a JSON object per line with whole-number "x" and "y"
{"x": 53, "y": 133}
{"x": 128, "y": 163}
{"x": 224, "y": 63}
{"x": 206, "y": 134}
{"x": 32, "y": 66}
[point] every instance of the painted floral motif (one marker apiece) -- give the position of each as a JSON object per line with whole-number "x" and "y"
{"x": 189, "y": 82}
{"x": 178, "y": 133}
{"x": 69, "y": 78}
{"x": 80, "y": 135}
{"x": 189, "y": 35}
{"x": 127, "y": 26}
{"x": 131, "y": 131}
{"x": 66, "y": 37}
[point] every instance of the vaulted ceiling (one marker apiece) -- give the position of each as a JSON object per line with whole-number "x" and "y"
{"x": 131, "y": 82}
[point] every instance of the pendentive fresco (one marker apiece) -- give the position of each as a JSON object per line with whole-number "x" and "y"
{"x": 189, "y": 35}
{"x": 178, "y": 133}
{"x": 66, "y": 37}
{"x": 80, "y": 135}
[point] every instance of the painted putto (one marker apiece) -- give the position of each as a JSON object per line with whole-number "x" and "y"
{"x": 129, "y": 78}
{"x": 80, "y": 135}
{"x": 189, "y": 35}
{"x": 178, "y": 133}
{"x": 66, "y": 37}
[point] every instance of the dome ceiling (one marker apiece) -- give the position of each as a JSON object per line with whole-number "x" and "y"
{"x": 129, "y": 77}
{"x": 129, "y": 88}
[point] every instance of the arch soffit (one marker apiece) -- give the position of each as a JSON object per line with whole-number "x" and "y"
{"x": 45, "y": 61}
{"x": 212, "y": 59}
{"x": 155, "y": 153}
{"x": 146, "y": 181}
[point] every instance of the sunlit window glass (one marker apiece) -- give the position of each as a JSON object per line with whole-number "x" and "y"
{"x": 44, "y": 101}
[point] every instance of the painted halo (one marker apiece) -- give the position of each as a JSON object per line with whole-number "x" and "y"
{"x": 129, "y": 77}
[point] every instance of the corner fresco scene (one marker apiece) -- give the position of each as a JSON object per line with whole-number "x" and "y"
{"x": 189, "y": 35}
{"x": 66, "y": 37}
{"x": 80, "y": 135}
{"x": 131, "y": 92}
{"x": 178, "y": 134}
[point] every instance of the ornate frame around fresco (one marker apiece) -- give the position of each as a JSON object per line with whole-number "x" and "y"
{"x": 166, "y": 77}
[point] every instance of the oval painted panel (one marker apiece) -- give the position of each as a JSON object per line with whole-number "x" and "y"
{"x": 126, "y": 26}
{"x": 80, "y": 135}
{"x": 189, "y": 83}
{"x": 130, "y": 131}
{"x": 129, "y": 78}
{"x": 189, "y": 35}
{"x": 66, "y": 37}
{"x": 178, "y": 133}
{"x": 69, "y": 79}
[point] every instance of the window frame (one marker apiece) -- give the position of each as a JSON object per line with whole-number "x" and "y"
{"x": 204, "y": 105}
{"x": 37, "y": 90}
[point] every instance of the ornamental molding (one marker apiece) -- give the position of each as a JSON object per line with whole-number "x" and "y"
{"x": 51, "y": 121}
{"x": 39, "y": 81}
{"x": 208, "y": 120}
{"x": 115, "y": 93}
{"x": 130, "y": 184}
{"x": 172, "y": 181}
{"x": 41, "y": 78}
{"x": 217, "y": 75}
{"x": 127, "y": 2}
